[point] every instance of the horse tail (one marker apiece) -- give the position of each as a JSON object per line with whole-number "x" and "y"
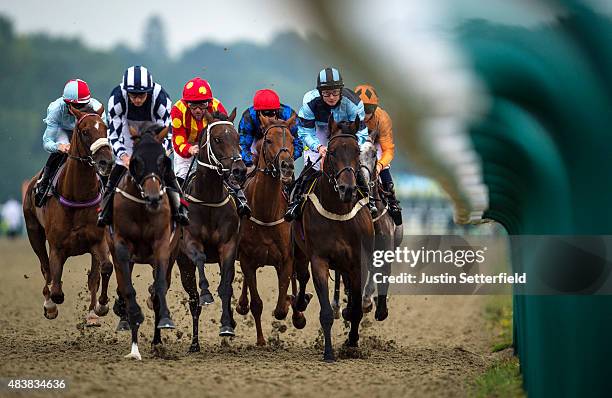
{"x": 35, "y": 230}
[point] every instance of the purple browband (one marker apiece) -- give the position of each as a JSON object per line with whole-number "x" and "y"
{"x": 79, "y": 205}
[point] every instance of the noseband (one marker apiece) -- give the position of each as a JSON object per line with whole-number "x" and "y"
{"x": 333, "y": 176}
{"x": 216, "y": 162}
{"x": 97, "y": 145}
{"x": 273, "y": 168}
{"x": 155, "y": 177}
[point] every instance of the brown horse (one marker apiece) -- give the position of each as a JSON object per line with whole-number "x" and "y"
{"x": 336, "y": 231}
{"x": 142, "y": 230}
{"x": 387, "y": 236}
{"x": 68, "y": 220}
{"x": 265, "y": 238}
{"x": 212, "y": 234}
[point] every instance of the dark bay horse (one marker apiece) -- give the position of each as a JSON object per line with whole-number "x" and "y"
{"x": 336, "y": 231}
{"x": 142, "y": 231}
{"x": 68, "y": 220}
{"x": 212, "y": 234}
{"x": 265, "y": 238}
{"x": 387, "y": 236}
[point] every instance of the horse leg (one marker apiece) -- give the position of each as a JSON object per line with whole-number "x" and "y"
{"x": 243, "y": 302}
{"x": 106, "y": 270}
{"x": 119, "y": 308}
{"x": 194, "y": 250}
{"x": 188, "y": 279}
{"x": 93, "y": 283}
{"x": 303, "y": 276}
{"x": 227, "y": 257}
{"x": 56, "y": 265}
{"x": 382, "y": 311}
{"x": 283, "y": 273}
{"x": 297, "y": 318}
{"x": 356, "y": 312}
{"x": 320, "y": 272}
{"x": 161, "y": 284}
{"x": 123, "y": 271}
{"x": 336, "y": 300}
{"x": 250, "y": 278}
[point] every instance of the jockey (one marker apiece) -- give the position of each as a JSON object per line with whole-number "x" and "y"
{"x": 60, "y": 124}
{"x": 329, "y": 98}
{"x": 137, "y": 101}
{"x": 188, "y": 122}
{"x": 379, "y": 122}
{"x": 266, "y": 105}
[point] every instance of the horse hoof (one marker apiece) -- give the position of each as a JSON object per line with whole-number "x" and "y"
{"x": 51, "y": 313}
{"x": 280, "y": 315}
{"x": 57, "y": 298}
{"x": 346, "y": 314}
{"x": 134, "y": 355}
{"x": 166, "y": 323}
{"x": 206, "y": 299}
{"x": 329, "y": 358}
{"x": 101, "y": 309}
{"x": 123, "y": 326}
{"x": 194, "y": 348}
{"x": 150, "y": 303}
{"x": 242, "y": 310}
{"x": 226, "y": 331}
{"x": 381, "y": 315}
{"x": 92, "y": 320}
{"x": 299, "y": 321}
{"x": 367, "y": 305}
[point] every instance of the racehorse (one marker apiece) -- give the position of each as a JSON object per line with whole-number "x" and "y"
{"x": 68, "y": 220}
{"x": 387, "y": 236}
{"x": 265, "y": 238}
{"x": 212, "y": 234}
{"x": 336, "y": 231}
{"x": 142, "y": 231}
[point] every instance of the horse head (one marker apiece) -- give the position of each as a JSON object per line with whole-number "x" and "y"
{"x": 369, "y": 156}
{"x": 220, "y": 148}
{"x": 89, "y": 139}
{"x": 342, "y": 159}
{"x": 277, "y": 149}
{"x": 149, "y": 164}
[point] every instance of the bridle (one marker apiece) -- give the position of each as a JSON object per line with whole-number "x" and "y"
{"x": 333, "y": 176}
{"x": 215, "y": 163}
{"x": 155, "y": 177}
{"x": 272, "y": 167}
{"x": 97, "y": 145}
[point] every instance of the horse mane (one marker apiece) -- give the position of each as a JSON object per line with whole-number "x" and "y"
{"x": 219, "y": 116}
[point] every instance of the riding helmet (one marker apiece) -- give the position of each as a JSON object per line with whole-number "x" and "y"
{"x": 329, "y": 79}
{"x": 76, "y": 91}
{"x": 138, "y": 79}
{"x": 265, "y": 100}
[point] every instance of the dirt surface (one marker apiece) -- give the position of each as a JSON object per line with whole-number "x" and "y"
{"x": 429, "y": 346}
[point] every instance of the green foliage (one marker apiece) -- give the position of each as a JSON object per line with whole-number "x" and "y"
{"x": 501, "y": 380}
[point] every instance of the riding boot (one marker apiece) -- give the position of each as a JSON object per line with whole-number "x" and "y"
{"x": 394, "y": 208}
{"x": 294, "y": 209}
{"x": 364, "y": 188}
{"x": 242, "y": 205}
{"x": 106, "y": 214}
{"x": 178, "y": 205}
{"x": 42, "y": 185}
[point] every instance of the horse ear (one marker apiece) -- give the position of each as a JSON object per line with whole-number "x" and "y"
{"x": 265, "y": 122}
{"x": 159, "y": 137}
{"x": 208, "y": 117}
{"x": 331, "y": 123}
{"x": 77, "y": 113}
{"x": 100, "y": 110}
{"x": 291, "y": 121}
{"x": 232, "y": 115}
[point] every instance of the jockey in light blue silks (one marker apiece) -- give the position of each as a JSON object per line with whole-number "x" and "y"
{"x": 60, "y": 124}
{"x": 329, "y": 98}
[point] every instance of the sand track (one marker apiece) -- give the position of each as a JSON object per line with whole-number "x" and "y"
{"x": 429, "y": 346}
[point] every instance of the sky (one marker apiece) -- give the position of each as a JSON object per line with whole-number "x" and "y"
{"x": 113, "y": 22}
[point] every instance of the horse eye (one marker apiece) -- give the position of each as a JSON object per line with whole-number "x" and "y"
{"x": 217, "y": 140}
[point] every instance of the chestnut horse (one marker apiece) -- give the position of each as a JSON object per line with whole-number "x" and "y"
{"x": 142, "y": 231}
{"x": 336, "y": 231}
{"x": 68, "y": 220}
{"x": 212, "y": 234}
{"x": 387, "y": 236}
{"x": 265, "y": 238}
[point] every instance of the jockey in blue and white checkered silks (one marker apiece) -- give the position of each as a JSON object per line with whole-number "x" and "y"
{"x": 60, "y": 123}
{"x": 137, "y": 101}
{"x": 330, "y": 98}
